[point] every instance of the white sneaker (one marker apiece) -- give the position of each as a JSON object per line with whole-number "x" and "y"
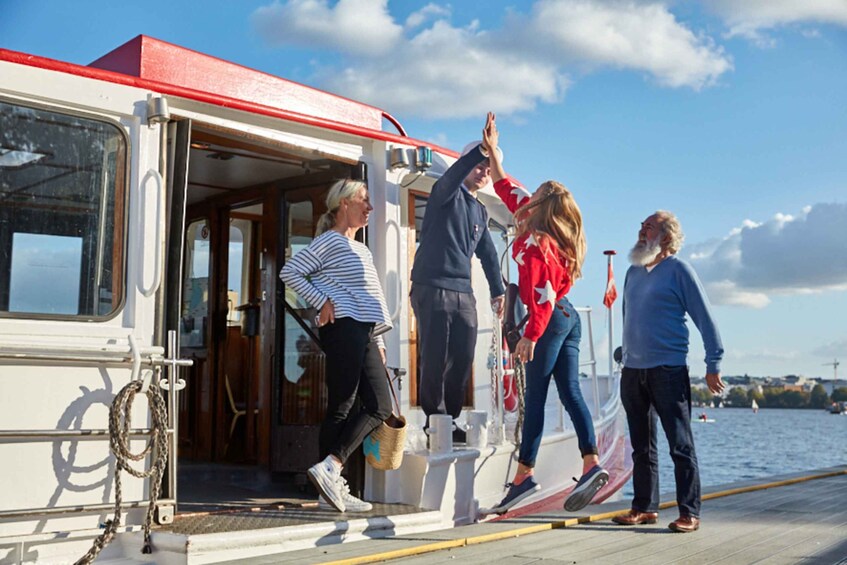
{"x": 325, "y": 476}
{"x": 352, "y": 503}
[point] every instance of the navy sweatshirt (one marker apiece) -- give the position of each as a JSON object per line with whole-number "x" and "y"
{"x": 455, "y": 226}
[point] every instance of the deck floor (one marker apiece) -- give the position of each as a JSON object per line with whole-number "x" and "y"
{"x": 804, "y": 522}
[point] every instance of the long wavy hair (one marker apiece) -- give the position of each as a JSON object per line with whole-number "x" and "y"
{"x": 555, "y": 214}
{"x": 345, "y": 188}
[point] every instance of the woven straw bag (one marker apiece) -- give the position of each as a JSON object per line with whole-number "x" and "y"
{"x": 384, "y": 446}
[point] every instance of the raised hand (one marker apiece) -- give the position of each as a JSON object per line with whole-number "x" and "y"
{"x": 490, "y": 135}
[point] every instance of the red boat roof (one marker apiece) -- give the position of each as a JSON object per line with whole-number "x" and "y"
{"x": 156, "y": 65}
{"x": 152, "y": 59}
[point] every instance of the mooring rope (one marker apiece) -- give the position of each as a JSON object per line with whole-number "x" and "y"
{"x": 119, "y": 427}
{"x": 520, "y": 389}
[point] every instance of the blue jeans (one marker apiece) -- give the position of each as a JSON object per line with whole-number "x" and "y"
{"x": 665, "y": 392}
{"x": 557, "y": 355}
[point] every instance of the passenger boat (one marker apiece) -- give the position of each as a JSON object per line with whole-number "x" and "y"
{"x": 149, "y": 200}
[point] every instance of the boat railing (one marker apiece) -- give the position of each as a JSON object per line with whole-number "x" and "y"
{"x": 601, "y": 406}
{"x": 148, "y": 364}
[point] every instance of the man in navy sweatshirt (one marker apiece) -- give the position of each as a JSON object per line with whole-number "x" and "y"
{"x": 455, "y": 227}
{"x": 659, "y": 290}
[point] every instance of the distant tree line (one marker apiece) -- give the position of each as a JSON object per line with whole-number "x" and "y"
{"x": 772, "y": 397}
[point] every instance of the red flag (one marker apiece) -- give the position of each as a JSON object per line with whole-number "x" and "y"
{"x": 611, "y": 291}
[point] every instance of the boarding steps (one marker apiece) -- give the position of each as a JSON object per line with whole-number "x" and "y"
{"x": 191, "y": 549}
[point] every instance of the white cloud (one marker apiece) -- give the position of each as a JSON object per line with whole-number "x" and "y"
{"x": 439, "y": 139}
{"x": 447, "y": 72}
{"x": 836, "y": 348}
{"x": 435, "y": 69}
{"x": 726, "y": 292}
{"x": 785, "y": 255}
{"x": 428, "y": 12}
{"x": 749, "y": 18}
{"x": 627, "y": 35}
{"x": 357, "y": 26}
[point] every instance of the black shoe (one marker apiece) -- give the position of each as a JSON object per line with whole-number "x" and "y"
{"x": 460, "y": 436}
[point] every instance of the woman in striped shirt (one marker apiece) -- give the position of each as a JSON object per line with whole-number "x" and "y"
{"x": 336, "y": 274}
{"x": 549, "y": 249}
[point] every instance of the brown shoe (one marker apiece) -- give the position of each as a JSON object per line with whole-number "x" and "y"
{"x": 634, "y": 517}
{"x": 685, "y": 524}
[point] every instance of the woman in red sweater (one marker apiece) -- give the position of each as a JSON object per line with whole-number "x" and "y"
{"x": 549, "y": 249}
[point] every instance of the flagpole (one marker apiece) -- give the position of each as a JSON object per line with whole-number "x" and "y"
{"x": 609, "y": 253}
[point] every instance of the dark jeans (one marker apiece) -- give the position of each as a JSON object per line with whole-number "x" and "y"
{"x": 664, "y": 391}
{"x": 557, "y": 355}
{"x": 447, "y": 328}
{"x": 353, "y": 368}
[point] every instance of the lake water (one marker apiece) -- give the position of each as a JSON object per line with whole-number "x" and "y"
{"x": 741, "y": 445}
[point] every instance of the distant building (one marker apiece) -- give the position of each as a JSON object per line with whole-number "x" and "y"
{"x": 830, "y": 385}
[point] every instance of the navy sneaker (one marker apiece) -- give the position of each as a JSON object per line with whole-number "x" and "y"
{"x": 586, "y": 487}
{"x": 516, "y": 494}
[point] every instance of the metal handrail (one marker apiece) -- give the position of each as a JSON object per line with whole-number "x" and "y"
{"x": 61, "y": 434}
{"x": 83, "y": 508}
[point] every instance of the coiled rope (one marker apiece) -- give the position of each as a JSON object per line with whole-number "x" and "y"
{"x": 119, "y": 427}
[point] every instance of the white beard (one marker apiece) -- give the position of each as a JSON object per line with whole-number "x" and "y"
{"x": 644, "y": 252}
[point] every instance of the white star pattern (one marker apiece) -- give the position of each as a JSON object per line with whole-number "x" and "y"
{"x": 519, "y": 258}
{"x": 520, "y": 193}
{"x": 547, "y": 294}
{"x": 530, "y": 240}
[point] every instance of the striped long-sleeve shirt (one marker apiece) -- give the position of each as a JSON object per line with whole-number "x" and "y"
{"x": 335, "y": 267}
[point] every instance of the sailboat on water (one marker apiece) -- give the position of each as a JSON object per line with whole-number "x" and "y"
{"x": 755, "y": 406}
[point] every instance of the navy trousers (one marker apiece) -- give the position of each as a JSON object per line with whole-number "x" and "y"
{"x": 447, "y": 328}
{"x": 665, "y": 392}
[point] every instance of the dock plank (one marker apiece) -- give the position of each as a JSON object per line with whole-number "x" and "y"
{"x": 786, "y": 523}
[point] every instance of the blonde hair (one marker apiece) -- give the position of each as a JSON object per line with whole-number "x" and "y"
{"x": 345, "y": 188}
{"x": 671, "y": 228}
{"x": 556, "y": 214}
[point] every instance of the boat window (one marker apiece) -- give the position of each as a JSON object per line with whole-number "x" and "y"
{"x": 62, "y": 199}
{"x": 238, "y": 280}
{"x": 195, "y": 292}
{"x": 303, "y": 391}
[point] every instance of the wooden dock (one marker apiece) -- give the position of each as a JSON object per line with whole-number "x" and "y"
{"x": 790, "y": 519}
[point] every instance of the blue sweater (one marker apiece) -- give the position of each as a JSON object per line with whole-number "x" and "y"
{"x": 654, "y": 307}
{"x": 455, "y": 226}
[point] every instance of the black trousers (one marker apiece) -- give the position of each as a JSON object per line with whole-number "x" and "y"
{"x": 447, "y": 328}
{"x": 663, "y": 391}
{"x": 354, "y": 369}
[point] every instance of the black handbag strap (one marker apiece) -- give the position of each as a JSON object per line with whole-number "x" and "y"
{"x": 393, "y": 394}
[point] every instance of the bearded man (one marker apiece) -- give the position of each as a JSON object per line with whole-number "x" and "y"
{"x": 659, "y": 290}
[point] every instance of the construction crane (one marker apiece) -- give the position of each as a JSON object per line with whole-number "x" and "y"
{"x": 835, "y": 363}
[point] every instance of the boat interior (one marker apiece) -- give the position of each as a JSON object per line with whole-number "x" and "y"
{"x": 249, "y": 416}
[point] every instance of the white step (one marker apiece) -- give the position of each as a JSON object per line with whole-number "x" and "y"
{"x": 179, "y": 549}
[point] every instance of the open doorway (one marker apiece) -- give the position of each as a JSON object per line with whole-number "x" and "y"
{"x": 249, "y": 415}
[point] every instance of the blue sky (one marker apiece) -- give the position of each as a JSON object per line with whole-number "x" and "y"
{"x": 731, "y": 114}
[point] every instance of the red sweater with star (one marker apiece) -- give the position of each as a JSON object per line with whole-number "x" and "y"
{"x": 543, "y": 276}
